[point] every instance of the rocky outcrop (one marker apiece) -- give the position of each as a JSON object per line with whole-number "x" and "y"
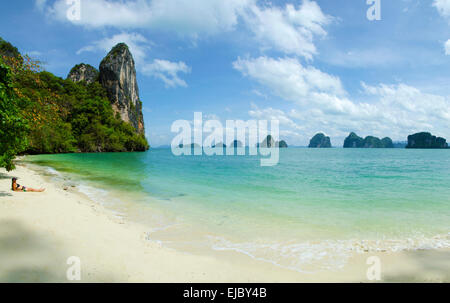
{"x": 281, "y": 144}
{"x": 354, "y": 141}
{"x": 83, "y": 72}
{"x": 372, "y": 142}
{"x": 269, "y": 142}
{"x": 387, "y": 142}
{"x": 118, "y": 77}
{"x": 320, "y": 141}
{"x": 236, "y": 143}
{"x": 220, "y": 144}
{"x": 426, "y": 140}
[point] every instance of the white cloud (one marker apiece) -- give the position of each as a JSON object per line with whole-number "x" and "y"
{"x": 273, "y": 114}
{"x": 137, "y": 44}
{"x": 167, "y": 71}
{"x": 185, "y": 17}
{"x": 164, "y": 70}
{"x": 443, "y": 7}
{"x": 290, "y": 30}
{"x": 40, "y": 4}
{"x": 447, "y": 47}
{"x": 321, "y": 103}
{"x": 288, "y": 78}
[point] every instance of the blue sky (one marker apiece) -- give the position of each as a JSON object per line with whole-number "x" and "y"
{"x": 313, "y": 65}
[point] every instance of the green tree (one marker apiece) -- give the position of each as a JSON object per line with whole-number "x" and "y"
{"x": 13, "y": 128}
{"x": 62, "y": 116}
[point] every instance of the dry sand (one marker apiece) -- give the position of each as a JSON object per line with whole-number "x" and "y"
{"x": 40, "y": 231}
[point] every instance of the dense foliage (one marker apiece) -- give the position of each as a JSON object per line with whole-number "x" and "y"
{"x": 426, "y": 140}
{"x": 12, "y": 125}
{"x": 354, "y": 141}
{"x": 62, "y": 116}
{"x": 320, "y": 141}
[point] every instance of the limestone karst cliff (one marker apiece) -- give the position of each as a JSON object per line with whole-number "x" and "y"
{"x": 354, "y": 141}
{"x": 320, "y": 141}
{"x": 426, "y": 140}
{"x": 118, "y": 77}
{"x": 83, "y": 72}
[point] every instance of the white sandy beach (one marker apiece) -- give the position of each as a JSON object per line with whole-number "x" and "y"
{"x": 40, "y": 231}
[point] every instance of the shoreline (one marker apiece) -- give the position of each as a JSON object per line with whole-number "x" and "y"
{"x": 40, "y": 231}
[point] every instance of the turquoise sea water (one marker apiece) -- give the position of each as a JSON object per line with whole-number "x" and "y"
{"x": 312, "y": 211}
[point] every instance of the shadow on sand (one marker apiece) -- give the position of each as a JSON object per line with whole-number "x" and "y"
{"x": 430, "y": 266}
{"x": 27, "y": 256}
{"x": 4, "y": 176}
{"x": 23, "y": 258}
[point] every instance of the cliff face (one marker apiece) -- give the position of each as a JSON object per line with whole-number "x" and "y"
{"x": 426, "y": 140}
{"x": 281, "y": 144}
{"x": 268, "y": 142}
{"x": 236, "y": 144}
{"x": 118, "y": 77}
{"x": 387, "y": 142}
{"x": 83, "y": 72}
{"x": 354, "y": 141}
{"x": 320, "y": 141}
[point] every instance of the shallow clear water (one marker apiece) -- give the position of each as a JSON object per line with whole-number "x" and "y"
{"x": 309, "y": 212}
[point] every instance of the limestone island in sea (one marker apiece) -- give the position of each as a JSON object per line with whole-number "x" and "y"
{"x": 426, "y": 140}
{"x": 355, "y": 141}
{"x": 320, "y": 141}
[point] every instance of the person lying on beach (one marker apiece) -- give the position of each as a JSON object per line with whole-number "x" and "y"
{"x": 17, "y": 187}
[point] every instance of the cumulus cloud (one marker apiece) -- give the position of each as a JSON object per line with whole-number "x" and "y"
{"x": 397, "y": 111}
{"x": 137, "y": 43}
{"x": 443, "y": 7}
{"x": 288, "y": 78}
{"x": 290, "y": 30}
{"x": 185, "y": 17}
{"x": 167, "y": 71}
{"x": 321, "y": 103}
{"x": 164, "y": 70}
{"x": 447, "y": 47}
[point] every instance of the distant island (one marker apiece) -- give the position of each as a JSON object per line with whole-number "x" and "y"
{"x": 269, "y": 142}
{"x": 400, "y": 144}
{"x": 426, "y": 140}
{"x": 320, "y": 141}
{"x": 220, "y": 144}
{"x": 354, "y": 141}
{"x": 236, "y": 144}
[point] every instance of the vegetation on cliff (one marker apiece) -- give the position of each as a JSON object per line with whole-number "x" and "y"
{"x": 42, "y": 113}
{"x": 83, "y": 72}
{"x": 118, "y": 77}
{"x": 426, "y": 140}
{"x": 320, "y": 141}
{"x": 13, "y": 126}
{"x": 354, "y": 141}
